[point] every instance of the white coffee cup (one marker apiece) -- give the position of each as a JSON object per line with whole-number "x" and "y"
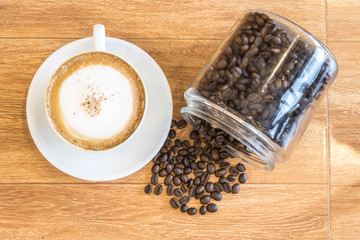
{"x": 86, "y": 93}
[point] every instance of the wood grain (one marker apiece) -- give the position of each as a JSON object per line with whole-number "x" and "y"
{"x": 87, "y": 211}
{"x": 345, "y": 212}
{"x": 344, "y": 115}
{"x": 145, "y": 19}
{"x": 22, "y": 162}
{"x": 343, "y": 20}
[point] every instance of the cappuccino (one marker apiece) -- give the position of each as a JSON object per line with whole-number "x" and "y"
{"x": 95, "y": 100}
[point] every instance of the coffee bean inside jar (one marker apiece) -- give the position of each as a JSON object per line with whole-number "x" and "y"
{"x": 260, "y": 87}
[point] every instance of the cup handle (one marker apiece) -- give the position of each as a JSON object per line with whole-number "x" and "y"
{"x": 99, "y": 37}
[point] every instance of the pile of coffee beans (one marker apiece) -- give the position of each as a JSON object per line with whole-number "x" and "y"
{"x": 195, "y": 168}
{"x": 265, "y": 76}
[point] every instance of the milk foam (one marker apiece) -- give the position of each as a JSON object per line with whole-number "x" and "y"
{"x": 96, "y": 101}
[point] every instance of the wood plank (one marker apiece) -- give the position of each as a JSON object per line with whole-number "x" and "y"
{"x": 145, "y": 19}
{"x": 344, "y": 115}
{"x": 343, "y": 20}
{"x": 20, "y": 161}
{"x": 345, "y": 212}
{"x": 93, "y": 211}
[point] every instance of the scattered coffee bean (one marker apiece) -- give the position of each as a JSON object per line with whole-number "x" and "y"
{"x": 204, "y": 157}
{"x": 212, "y": 207}
{"x": 210, "y": 167}
{"x": 199, "y": 195}
{"x": 234, "y": 171}
{"x": 190, "y": 182}
{"x": 154, "y": 179}
{"x": 203, "y": 210}
{"x": 184, "y": 208}
{"x": 172, "y": 133}
{"x": 209, "y": 187}
{"x": 177, "y": 171}
{"x": 181, "y": 124}
{"x": 205, "y": 177}
{"x": 184, "y": 187}
{"x": 173, "y": 123}
{"x": 200, "y": 188}
{"x": 218, "y": 187}
{"x": 220, "y": 172}
{"x": 170, "y": 190}
{"x": 178, "y": 192}
{"x": 241, "y": 167}
{"x": 243, "y": 178}
{"x": 184, "y": 200}
{"x": 168, "y": 179}
{"x": 222, "y": 180}
{"x": 227, "y": 187}
{"x": 200, "y": 164}
{"x": 192, "y": 191}
{"x": 174, "y": 202}
{"x": 155, "y": 168}
{"x": 163, "y": 172}
{"x": 158, "y": 189}
{"x": 178, "y": 143}
{"x": 231, "y": 178}
{"x": 194, "y": 134}
{"x": 205, "y": 199}
{"x": 176, "y": 181}
{"x": 197, "y": 181}
{"x": 224, "y": 165}
{"x": 169, "y": 168}
{"x": 163, "y": 157}
{"x": 187, "y": 170}
{"x": 184, "y": 178}
{"x": 198, "y": 173}
{"x": 236, "y": 188}
{"x": 216, "y": 196}
{"x": 192, "y": 211}
{"x": 148, "y": 189}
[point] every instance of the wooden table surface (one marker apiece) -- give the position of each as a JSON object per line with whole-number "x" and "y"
{"x": 316, "y": 195}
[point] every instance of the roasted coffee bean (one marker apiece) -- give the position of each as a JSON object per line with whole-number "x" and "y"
{"x": 176, "y": 181}
{"x": 192, "y": 157}
{"x": 184, "y": 187}
{"x": 209, "y": 187}
{"x": 192, "y": 211}
{"x": 194, "y": 134}
{"x": 170, "y": 190}
{"x": 224, "y": 155}
{"x": 180, "y": 165}
{"x": 193, "y": 165}
{"x": 186, "y": 144}
{"x": 169, "y": 168}
{"x": 241, "y": 167}
{"x": 191, "y": 149}
{"x": 224, "y": 165}
{"x": 175, "y": 203}
{"x": 187, "y": 170}
{"x": 200, "y": 164}
{"x": 163, "y": 172}
{"x": 198, "y": 172}
{"x": 218, "y": 187}
{"x": 172, "y": 133}
{"x": 227, "y": 187}
{"x": 204, "y": 158}
{"x": 199, "y": 195}
{"x": 184, "y": 178}
{"x": 205, "y": 177}
{"x": 220, "y": 172}
{"x": 216, "y": 196}
{"x": 177, "y": 171}
{"x": 155, "y": 168}
{"x": 182, "y": 152}
{"x": 190, "y": 182}
{"x": 184, "y": 200}
{"x": 148, "y": 189}
{"x": 178, "y": 192}
{"x": 178, "y": 143}
{"x": 173, "y": 123}
{"x": 205, "y": 199}
{"x": 234, "y": 171}
{"x": 210, "y": 167}
{"x": 164, "y": 150}
{"x": 197, "y": 181}
{"x": 203, "y": 210}
{"x": 231, "y": 178}
{"x": 184, "y": 208}
{"x": 154, "y": 179}
{"x": 243, "y": 178}
{"x": 236, "y": 188}
{"x": 200, "y": 188}
{"x": 214, "y": 155}
{"x": 192, "y": 191}
{"x": 158, "y": 189}
{"x": 181, "y": 124}
{"x": 222, "y": 179}
{"x": 197, "y": 142}
{"x": 212, "y": 207}
{"x": 207, "y": 149}
{"x": 163, "y": 157}
{"x": 168, "y": 179}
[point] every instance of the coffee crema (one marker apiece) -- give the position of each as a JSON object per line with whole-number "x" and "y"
{"x": 95, "y": 100}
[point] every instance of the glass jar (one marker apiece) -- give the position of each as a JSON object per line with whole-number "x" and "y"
{"x": 260, "y": 88}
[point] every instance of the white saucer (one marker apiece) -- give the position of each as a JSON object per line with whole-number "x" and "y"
{"x": 123, "y": 160}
